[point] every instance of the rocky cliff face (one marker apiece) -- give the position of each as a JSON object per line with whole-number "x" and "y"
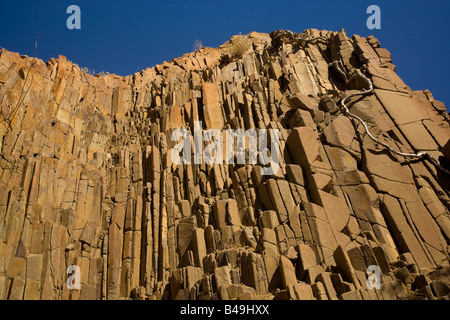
{"x": 87, "y": 178}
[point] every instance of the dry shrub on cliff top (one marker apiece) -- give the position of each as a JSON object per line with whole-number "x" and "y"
{"x": 240, "y": 44}
{"x": 197, "y": 45}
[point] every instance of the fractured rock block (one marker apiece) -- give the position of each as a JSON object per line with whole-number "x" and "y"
{"x": 319, "y": 291}
{"x": 253, "y": 273}
{"x": 302, "y": 101}
{"x": 88, "y": 234}
{"x": 306, "y": 259}
{"x": 303, "y": 146}
{"x": 287, "y": 270}
{"x": 199, "y": 246}
{"x": 220, "y": 211}
{"x": 17, "y": 289}
{"x": 300, "y": 291}
{"x": 212, "y": 109}
{"x": 269, "y": 219}
{"x": 295, "y": 174}
{"x": 344, "y": 264}
{"x": 233, "y": 213}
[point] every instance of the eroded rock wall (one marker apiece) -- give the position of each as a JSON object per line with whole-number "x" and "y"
{"x": 87, "y": 179}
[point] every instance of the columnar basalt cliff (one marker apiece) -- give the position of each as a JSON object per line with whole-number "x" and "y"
{"x": 87, "y": 178}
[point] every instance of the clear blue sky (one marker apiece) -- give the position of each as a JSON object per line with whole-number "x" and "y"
{"x": 124, "y": 37}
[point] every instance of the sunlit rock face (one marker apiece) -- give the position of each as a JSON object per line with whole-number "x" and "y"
{"x": 88, "y": 179}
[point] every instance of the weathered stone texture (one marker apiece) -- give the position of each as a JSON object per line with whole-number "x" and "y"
{"x": 87, "y": 178}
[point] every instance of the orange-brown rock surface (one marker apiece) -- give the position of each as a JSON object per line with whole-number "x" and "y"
{"x": 86, "y": 178}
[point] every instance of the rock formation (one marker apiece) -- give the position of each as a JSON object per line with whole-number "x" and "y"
{"x": 87, "y": 178}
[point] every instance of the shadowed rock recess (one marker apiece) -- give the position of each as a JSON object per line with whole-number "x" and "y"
{"x": 86, "y": 178}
